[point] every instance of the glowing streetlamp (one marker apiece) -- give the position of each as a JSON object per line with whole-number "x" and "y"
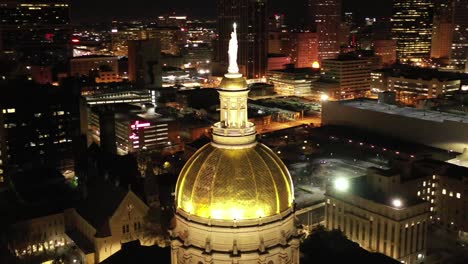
{"x": 324, "y": 97}
{"x": 397, "y": 203}
{"x": 342, "y": 184}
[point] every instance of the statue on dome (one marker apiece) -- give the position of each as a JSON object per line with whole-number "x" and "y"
{"x": 233, "y": 46}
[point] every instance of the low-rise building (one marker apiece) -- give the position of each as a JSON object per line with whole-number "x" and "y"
{"x": 39, "y": 235}
{"x": 375, "y": 212}
{"x": 293, "y": 81}
{"x": 411, "y": 83}
{"x": 352, "y": 73}
{"x": 105, "y": 220}
{"x": 132, "y": 129}
{"x": 431, "y": 128}
{"x": 104, "y": 69}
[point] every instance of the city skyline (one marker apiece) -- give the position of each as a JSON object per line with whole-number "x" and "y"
{"x": 234, "y": 131}
{"x": 92, "y": 11}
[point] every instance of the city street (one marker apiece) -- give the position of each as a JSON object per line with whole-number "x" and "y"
{"x": 442, "y": 247}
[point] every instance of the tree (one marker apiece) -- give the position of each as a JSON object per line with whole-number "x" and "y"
{"x": 156, "y": 226}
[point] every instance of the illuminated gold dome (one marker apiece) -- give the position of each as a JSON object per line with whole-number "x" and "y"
{"x": 236, "y": 183}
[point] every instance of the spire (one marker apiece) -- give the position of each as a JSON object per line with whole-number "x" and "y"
{"x": 233, "y": 129}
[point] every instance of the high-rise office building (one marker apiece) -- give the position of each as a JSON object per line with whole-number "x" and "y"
{"x": 38, "y": 31}
{"x": 442, "y": 29}
{"x": 252, "y": 24}
{"x": 38, "y": 124}
{"x": 327, "y": 17}
{"x": 352, "y": 74}
{"x": 302, "y": 47}
{"x": 144, "y": 63}
{"x": 459, "y": 55}
{"x": 412, "y": 28}
{"x": 386, "y": 49}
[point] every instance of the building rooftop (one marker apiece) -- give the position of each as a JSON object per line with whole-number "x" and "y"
{"x": 134, "y": 252}
{"x": 409, "y": 112}
{"x": 385, "y": 172}
{"x": 293, "y": 70}
{"x": 346, "y": 57}
{"x": 360, "y": 187}
{"x": 94, "y": 57}
{"x": 422, "y": 73}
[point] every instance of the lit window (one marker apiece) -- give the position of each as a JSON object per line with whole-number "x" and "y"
{"x": 11, "y": 110}
{"x": 458, "y": 195}
{"x": 424, "y": 183}
{"x": 432, "y": 209}
{"x": 433, "y": 177}
{"x": 451, "y": 194}
{"x": 419, "y": 193}
{"x": 444, "y": 191}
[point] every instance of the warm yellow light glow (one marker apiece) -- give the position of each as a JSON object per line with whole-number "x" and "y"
{"x": 189, "y": 207}
{"x": 324, "y": 97}
{"x": 230, "y": 211}
{"x": 397, "y": 203}
{"x": 342, "y": 184}
{"x": 316, "y": 65}
{"x": 237, "y": 213}
{"x": 260, "y": 212}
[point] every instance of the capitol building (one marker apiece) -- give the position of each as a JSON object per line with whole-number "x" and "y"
{"x": 234, "y": 197}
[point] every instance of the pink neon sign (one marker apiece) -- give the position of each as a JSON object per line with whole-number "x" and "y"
{"x": 140, "y": 125}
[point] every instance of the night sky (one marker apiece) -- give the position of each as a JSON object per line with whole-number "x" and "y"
{"x": 105, "y": 10}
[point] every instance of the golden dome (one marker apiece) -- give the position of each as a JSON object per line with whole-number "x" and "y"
{"x": 234, "y": 83}
{"x": 224, "y": 183}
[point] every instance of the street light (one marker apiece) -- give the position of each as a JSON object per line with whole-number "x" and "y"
{"x": 397, "y": 203}
{"x": 342, "y": 184}
{"x": 324, "y": 97}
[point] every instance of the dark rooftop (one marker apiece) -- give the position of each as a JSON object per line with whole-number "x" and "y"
{"x": 134, "y": 252}
{"x": 422, "y": 73}
{"x": 359, "y": 187}
{"x": 102, "y": 201}
{"x": 93, "y": 56}
{"x": 293, "y": 70}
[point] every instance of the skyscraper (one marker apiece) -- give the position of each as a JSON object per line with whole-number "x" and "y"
{"x": 252, "y": 19}
{"x": 459, "y": 55}
{"x": 38, "y": 31}
{"x": 302, "y": 47}
{"x": 327, "y": 17}
{"x": 39, "y": 125}
{"x": 412, "y": 28}
{"x": 144, "y": 63}
{"x": 442, "y": 29}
